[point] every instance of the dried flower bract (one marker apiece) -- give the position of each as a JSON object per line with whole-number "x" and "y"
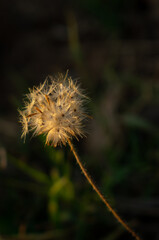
{"x": 55, "y": 108}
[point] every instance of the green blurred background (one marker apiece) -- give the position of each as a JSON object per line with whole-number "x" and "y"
{"x": 113, "y": 48}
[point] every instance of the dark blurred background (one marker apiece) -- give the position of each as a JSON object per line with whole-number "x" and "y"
{"x": 113, "y": 48}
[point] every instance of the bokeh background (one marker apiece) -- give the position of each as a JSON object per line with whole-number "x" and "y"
{"x": 112, "y": 47}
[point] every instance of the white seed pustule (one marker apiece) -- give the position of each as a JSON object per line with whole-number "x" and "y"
{"x": 55, "y": 109}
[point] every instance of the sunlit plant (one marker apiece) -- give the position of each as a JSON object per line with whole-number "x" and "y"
{"x": 56, "y": 109}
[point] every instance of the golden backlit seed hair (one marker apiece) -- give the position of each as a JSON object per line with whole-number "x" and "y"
{"x": 54, "y": 108}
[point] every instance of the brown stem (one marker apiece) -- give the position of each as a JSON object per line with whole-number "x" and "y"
{"x": 100, "y": 194}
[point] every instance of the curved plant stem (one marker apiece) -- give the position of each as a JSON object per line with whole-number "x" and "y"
{"x": 100, "y": 194}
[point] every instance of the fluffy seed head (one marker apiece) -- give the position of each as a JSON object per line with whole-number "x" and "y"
{"x": 54, "y": 109}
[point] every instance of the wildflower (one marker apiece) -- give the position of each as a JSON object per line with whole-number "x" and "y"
{"x": 54, "y": 109}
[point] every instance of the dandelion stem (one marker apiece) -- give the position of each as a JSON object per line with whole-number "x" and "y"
{"x": 100, "y": 194}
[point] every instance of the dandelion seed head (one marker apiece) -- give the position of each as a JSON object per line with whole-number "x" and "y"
{"x": 55, "y": 109}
